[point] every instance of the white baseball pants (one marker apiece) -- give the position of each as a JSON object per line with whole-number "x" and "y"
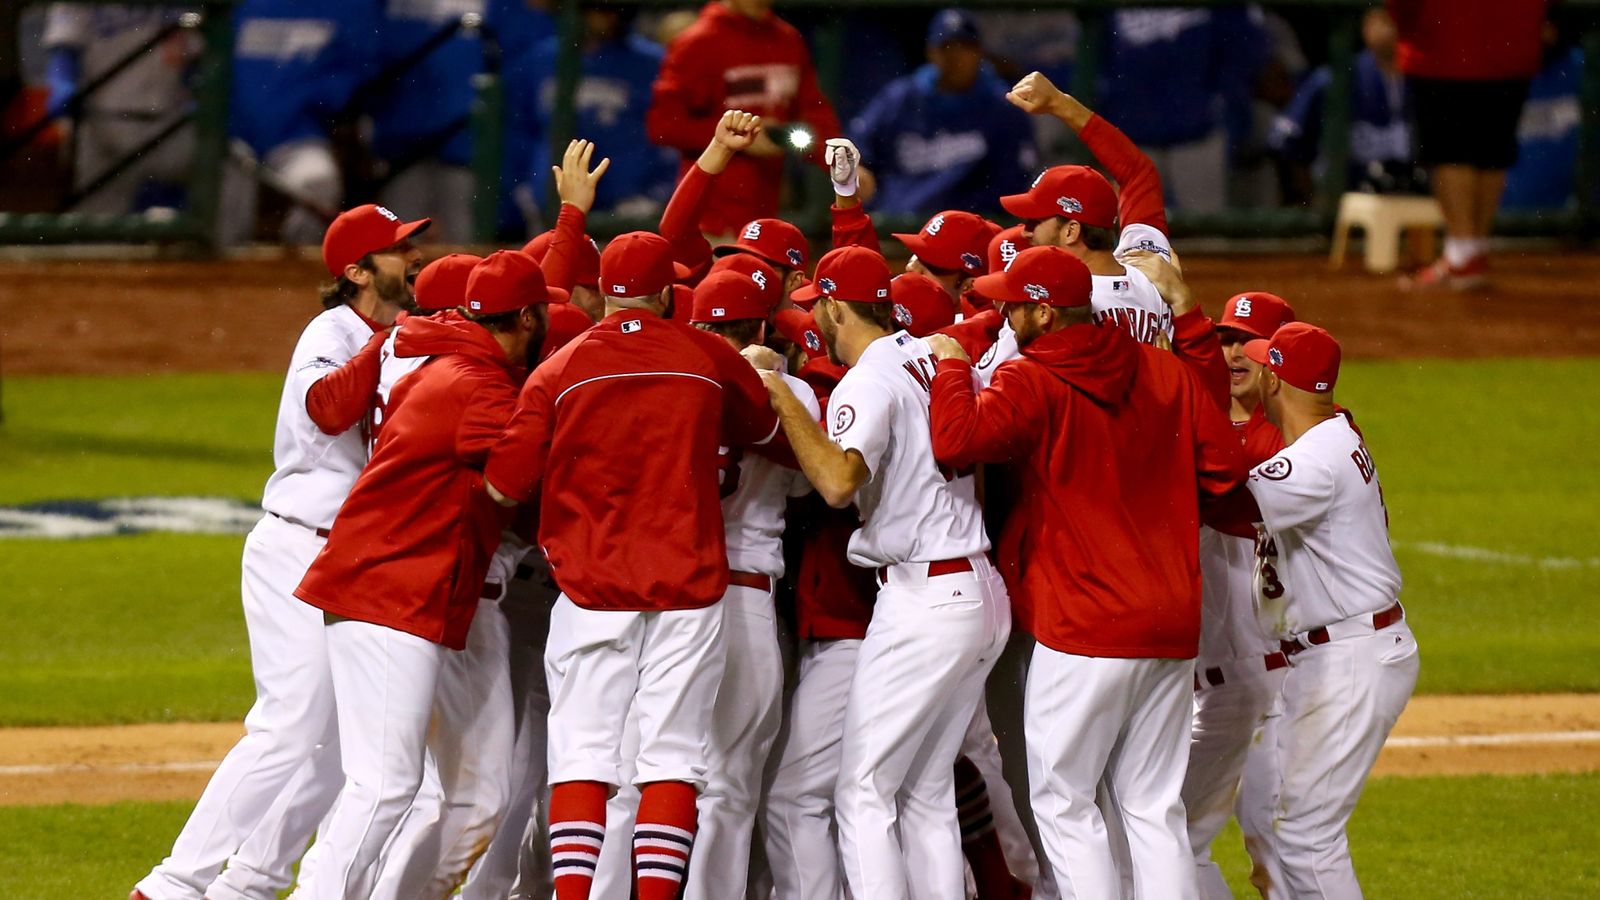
{"x": 385, "y": 682}
{"x": 263, "y": 867}
{"x": 1257, "y": 804}
{"x": 1340, "y": 700}
{"x": 292, "y": 715}
{"x": 601, "y": 663}
{"x": 1226, "y": 717}
{"x": 1123, "y": 723}
{"x": 928, "y": 650}
{"x": 802, "y": 850}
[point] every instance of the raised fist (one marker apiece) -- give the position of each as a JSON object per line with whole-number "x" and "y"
{"x": 844, "y": 161}
{"x": 1035, "y": 94}
{"x": 738, "y": 130}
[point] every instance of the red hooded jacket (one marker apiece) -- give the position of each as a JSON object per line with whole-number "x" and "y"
{"x": 728, "y": 61}
{"x": 1114, "y": 441}
{"x": 411, "y": 545}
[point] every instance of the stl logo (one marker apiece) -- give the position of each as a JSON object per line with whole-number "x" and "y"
{"x": 1276, "y": 355}
{"x": 1242, "y": 308}
{"x": 843, "y": 418}
{"x": 752, "y": 231}
{"x": 1008, "y": 252}
{"x": 760, "y": 278}
{"x": 1036, "y": 179}
{"x": 795, "y": 258}
{"x": 902, "y": 315}
{"x": 934, "y": 224}
{"x": 1036, "y": 292}
{"x": 1069, "y": 204}
{"x": 971, "y": 261}
{"x": 384, "y": 211}
{"x": 826, "y": 286}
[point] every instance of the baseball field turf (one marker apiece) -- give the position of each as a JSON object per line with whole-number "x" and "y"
{"x": 1486, "y": 465}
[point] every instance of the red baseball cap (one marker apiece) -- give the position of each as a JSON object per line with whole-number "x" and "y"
{"x": 1005, "y": 246}
{"x": 1048, "y": 275}
{"x": 1075, "y": 192}
{"x": 638, "y": 264}
{"x": 921, "y": 304}
{"x": 953, "y": 240}
{"x": 586, "y": 265}
{"x": 442, "y": 284}
{"x": 682, "y": 303}
{"x": 365, "y": 229}
{"x": 729, "y": 296}
{"x": 774, "y": 240}
{"x": 856, "y": 274}
{"x": 566, "y": 322}
{"x": 1256, "y": 313}
{"x": 508, "y": 280}
{"x": 800, "y": 329}
{"x": 754, "y": 269}
{"x": 1301, "y": 354}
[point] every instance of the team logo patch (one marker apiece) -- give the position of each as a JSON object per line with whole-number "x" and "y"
{"x": 474, "y": 305}
{"x": 795, "y": 259}
{"x": 718, "y": 312}
{"x": 752, "y": 231}
{"x": 1276, "y": 355}
{"x": 1069, "y": 205}
{"x": 813, "y": 341}
{"x": 882, "y": 293}
{"x": 1241, "y": 308}
{"x": 1275, "y": 469}
{"x": 1120, "y": 285}
{"x": 321, "y": 362}
{"x": 971, "y": 261}
{"x": 619, "y": 290}
{"x": 902, "y": 315}
{"x": 1322, "y": 385}
{"x": 384, "y": 211}
{"x": 843, "y": 418}
{"x": 1036, "y": 292}
{"x": 631, "y": 326}
{"x": 826, "y": 286}
{"x": 987, "y": 357}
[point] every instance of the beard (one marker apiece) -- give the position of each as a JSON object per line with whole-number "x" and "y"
{"x": 395, "y": 290}
{"x": 535, "y": 350}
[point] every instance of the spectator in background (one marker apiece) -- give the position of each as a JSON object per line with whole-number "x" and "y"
{"x": 1547, "y": 135}
{"x": 421, "y": 116}
{"x": 1178, "y": 82}
{"x": 1380, "y": 129}
{"x": 296, "y": 64}
{"x": 84, "y": 40}
{"x": 619, "y": 68}
{"x": 739, "y": 55}
{"x": 943, "y": 137}
{"x": 1468, "y": 63}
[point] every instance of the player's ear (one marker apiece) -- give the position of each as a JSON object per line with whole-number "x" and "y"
{"x": 358, "y": 274}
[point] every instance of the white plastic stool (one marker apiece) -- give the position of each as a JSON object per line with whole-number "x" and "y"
{"x": 1384, "y": 218}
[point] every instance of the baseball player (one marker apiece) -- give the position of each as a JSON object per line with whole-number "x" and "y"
{"x": 1111, "y": 589}
{"x": 941, "y": 613}
{"x": 318, "y": 451}
{"x": 1328, "y": 586}
{"x": 611, "y": 425}
{"x": 395, "y": 600}
{"x": 1238, "y": 671}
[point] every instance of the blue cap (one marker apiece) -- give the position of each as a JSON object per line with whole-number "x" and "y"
{"x": 953, "y": 26}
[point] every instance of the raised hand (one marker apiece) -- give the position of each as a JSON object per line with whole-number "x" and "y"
{"x": 844, "y": 161}
{"x": 575, "y": 182}
{"x": 1036, "y": 95}
{"x": 737, "y": 130}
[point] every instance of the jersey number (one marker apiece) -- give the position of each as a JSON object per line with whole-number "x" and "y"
{"x": 1271, "y": 587}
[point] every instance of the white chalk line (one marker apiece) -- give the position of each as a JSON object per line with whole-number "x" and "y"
{"x": 1483, "y": 554}
{"x": 1514, "y": 739}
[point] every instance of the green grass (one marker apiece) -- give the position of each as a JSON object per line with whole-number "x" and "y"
{"x": 1444, "y": 838}
{"x": 1454, "y": 838}
{"x": 1491, "y": 454}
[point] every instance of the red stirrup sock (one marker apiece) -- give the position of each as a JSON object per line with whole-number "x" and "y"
{"x": 979, "y": 842}
{"x": 577, "y": 826}
{"x": 662, "y": 839}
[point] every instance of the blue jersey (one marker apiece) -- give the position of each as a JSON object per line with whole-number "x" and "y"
{"x": 1380, "y": 110}
{"x": 296, "y": 64}
{"x": 932, "y": 150}
{"x": 433, "y": 97}
{"x": 1173, "y": 76}
{"x": 612, "y": 98}
{"x": 1547, "y": 138}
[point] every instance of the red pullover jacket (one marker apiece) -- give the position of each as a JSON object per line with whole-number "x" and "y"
{"x": 1112, "y": 438}
{"x": 727, "y": 61}
{"x": 411, "y": 545}
{"x": 623, "y": 426}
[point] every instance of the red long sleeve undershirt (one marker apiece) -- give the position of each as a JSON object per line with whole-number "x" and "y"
{"x": 680, "y": 221}
{"x": 1139, "y": 197}
{"x": 561, "y": 259}
{"x": 343, "y": 397}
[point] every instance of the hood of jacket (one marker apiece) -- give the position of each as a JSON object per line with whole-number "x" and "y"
{"x": 446, "y": 333}
{"x": 1100, "y": 362}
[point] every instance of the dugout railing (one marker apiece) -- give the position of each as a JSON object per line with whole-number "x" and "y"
{"x": 196, "y": 223}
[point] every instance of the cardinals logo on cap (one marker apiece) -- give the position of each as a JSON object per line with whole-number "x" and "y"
{"x": 1241, "y": 309}
{"x": 1036, "y": 292}
{"x": 760, "y": 278}
{"x": 826, "y": 285}
{"x": 934, "y": 224}
{"x": 1069, "y": 204}
{"x": 1036, "y": 179}
{"x": 752, "y": 231}
{"x": 1276, "y": 355}
{"x": 1008, "y": 252}
{"x": 902, "y": 315}
{"x": 795, "y": 259}
{"x": 971, "y": 260}
{"x": 384, "y": 211}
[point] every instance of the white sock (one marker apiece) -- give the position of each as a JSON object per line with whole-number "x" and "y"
{"x": 1458, "y": 251}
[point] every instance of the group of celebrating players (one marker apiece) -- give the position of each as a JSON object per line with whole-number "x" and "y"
{"x": 514, "y": 607}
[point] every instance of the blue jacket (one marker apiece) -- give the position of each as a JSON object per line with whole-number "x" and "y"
{"x": 931, "y": 150}
{"x": 1380, "y": 112}
{"x": 296, "y": 64}
{"x": 1547, "y": 138}
{"x": 612, "y": 98}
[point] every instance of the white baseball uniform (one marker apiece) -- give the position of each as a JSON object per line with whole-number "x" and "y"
{"x": 1329, "y": 585}
{"x": 941, "y": 618}
{"x": 293, "y": 715}
{"x": 1129, "y": 300}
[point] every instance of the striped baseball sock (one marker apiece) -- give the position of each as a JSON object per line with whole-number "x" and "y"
{"x": 662, "y": 839}
{"x": 980, "y": 844}
{"x": 577, "y": 826}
